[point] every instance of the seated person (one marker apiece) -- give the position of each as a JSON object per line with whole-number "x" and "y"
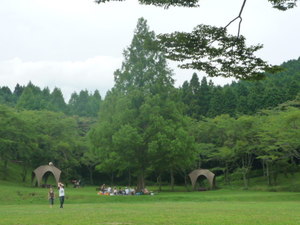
{"x": 115, "y": 191}
{"x": 109, "y": 189}
{"x": 145, "y": 191}
{"x": 120, "y": 192}
{"x": 132, "y": 191}
{"x": 102, "y": 188}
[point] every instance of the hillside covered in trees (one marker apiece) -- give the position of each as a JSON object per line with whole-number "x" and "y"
{"x": 203, "y": 98}
{"x": 146, "y": 130}
{"x": 31, "y": 97}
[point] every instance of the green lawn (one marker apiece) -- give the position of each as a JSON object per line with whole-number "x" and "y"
{"x": 26, "y": 205}
{"x": 155, "y": 213}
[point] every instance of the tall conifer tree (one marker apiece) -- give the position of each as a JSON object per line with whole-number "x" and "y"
{"x": 141, "y": 124}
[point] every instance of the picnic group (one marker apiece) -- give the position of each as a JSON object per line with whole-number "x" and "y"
{"x": 103, "y": 190}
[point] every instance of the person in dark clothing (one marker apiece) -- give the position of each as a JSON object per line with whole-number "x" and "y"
{"x": 51, "y": 197}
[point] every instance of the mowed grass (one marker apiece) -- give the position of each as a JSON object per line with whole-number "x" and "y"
{"x": 155, "y": 213}
{"x": 26, "y": 205}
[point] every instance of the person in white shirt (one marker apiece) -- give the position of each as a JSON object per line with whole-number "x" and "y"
{"x": 126, "y": 191}
{"x": 115, "y": 191}
{"x": 61, "y": 194}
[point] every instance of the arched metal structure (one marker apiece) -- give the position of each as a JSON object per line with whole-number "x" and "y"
{"x": 202, "y": 172}
{"x": 42, "y": 170}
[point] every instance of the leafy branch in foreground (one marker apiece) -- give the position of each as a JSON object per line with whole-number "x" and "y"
{"x": 212, "y": 50}
{"x": 278, "y": 4}
{"x": 162, "y": 3}
{"x": 283, "y": 4}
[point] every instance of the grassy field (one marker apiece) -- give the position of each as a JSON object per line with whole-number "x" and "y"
{"x": 26, "y": 205}
{"x": 21, "y": 204}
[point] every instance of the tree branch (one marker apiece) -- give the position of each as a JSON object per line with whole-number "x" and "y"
{"x": 238, "y": 17}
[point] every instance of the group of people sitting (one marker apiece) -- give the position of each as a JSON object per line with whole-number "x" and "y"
{"x": 103, "y": 190}
{"x": 76, "y": 183}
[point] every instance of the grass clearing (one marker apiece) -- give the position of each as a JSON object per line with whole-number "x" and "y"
{"x": 209, "y": 213}
{"x": 29, "y": 206}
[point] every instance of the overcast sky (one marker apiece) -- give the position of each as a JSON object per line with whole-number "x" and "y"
{"x": 76, "y": 44}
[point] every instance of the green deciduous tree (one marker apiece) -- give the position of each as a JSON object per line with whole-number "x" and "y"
{"x": 57, "y": 139}
{"x": 279, "y": 142}
{"x": 244, "y": 139}
{"x": 17, "y": 140}
{"x": 269, "y": 151}
{"x": 141, "y": 124}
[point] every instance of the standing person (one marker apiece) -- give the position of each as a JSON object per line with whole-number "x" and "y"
{"x": 61, "y": 194}
{"x": 51, "y": 196}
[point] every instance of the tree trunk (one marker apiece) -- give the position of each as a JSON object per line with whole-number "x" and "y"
{"x": 275, "y": 178}
{"x": 275, "y": 174}
{"x": 159, "y": 182}
{"x": 5, "y": 170}
{"x": 140, "y": 181}
{"x": 91, "y": 174}
{"x": 112, "y": 179}
{"x": 268, "y": 173}
{"x": 67, "y": 174}
{"x": 186, "y": 182}
{"x": 24, "y": 174}
{"x": 129, "y": 178}
{"x": 245, "y": 179}
{"x": 172, "y": 179}
{"x": 264, "y": 168}
{"x": 293, "y": 166}
{"x": 226, "y": 174}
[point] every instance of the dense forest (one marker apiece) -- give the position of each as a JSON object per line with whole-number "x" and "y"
{"x": 146, "y": 130}
{"x": 31, "y": 97}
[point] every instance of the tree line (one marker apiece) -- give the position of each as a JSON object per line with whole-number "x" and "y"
{"x": 145, "y": 129}
{"x": 201, "y": 98}
{"x": 32, "y": 97}
{"x": 204, "y": 99}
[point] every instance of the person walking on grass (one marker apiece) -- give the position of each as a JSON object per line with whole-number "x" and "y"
{"x": 51, "y": 196}
{"x": 61, "y": 194}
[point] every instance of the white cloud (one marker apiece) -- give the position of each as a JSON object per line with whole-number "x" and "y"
{"x": 77, "y": 44}
{"x": 91, "y": 74}
{"x": 69, "y": 76}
